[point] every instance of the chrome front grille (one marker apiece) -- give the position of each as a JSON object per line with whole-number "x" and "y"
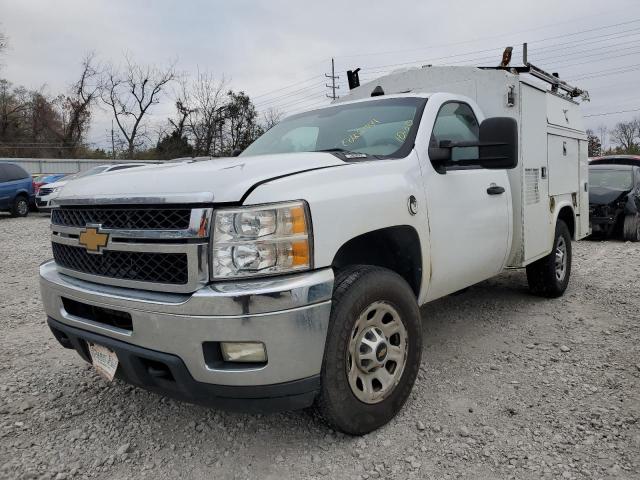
{"x": 169, "y": 268}
{"x": 151, "y": 248}
{"x": 120, "y": 218}
{"x": 45, "y": 191}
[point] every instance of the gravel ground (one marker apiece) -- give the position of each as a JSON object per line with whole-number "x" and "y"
{"x": 511, "y": 386}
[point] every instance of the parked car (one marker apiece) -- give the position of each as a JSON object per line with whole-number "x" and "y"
{"x": 40, "y": 180}
{"x": 16, "y": 189}
{"x": 614, "y": 196}
{"x": 47, "y": 193}
{"x": 293, "y": 274}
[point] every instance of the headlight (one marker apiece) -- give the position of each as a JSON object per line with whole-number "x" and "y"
{"x": 262, "y": 240}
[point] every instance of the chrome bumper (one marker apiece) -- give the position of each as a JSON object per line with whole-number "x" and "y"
{"x": 289, "y": 314}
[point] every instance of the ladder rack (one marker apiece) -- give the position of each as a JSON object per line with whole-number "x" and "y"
{"x": 551, "y": 78}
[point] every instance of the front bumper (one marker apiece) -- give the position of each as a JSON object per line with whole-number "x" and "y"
{"x": 289, "y": 314}
{"x": 42, "y": 203}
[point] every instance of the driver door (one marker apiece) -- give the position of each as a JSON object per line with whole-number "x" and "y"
{"x": 469, "y": 208}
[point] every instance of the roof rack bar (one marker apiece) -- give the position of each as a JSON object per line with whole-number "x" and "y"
{"x": 552, "y": 78}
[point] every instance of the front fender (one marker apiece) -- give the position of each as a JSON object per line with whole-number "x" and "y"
{"x": 355, "y": 199}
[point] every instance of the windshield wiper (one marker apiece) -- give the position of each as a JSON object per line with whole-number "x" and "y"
{"x": 336, "y": 149}
{"x": 347, "y": 153}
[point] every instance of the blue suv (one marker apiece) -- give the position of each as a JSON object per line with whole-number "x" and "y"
{"x": 16, "y": 189}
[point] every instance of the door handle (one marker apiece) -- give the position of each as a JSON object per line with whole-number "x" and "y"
{"x": 495, "y": 190}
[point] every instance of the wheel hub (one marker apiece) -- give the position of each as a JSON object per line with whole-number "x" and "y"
{"x": 371, "y": 350}
{"x": 377, "y": 353}
{"x": 561, "y": 259}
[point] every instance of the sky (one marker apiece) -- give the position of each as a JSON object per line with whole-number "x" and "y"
{"x": 278, "y": 51}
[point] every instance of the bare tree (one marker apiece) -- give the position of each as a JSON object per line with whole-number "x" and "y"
{"x": 625, "y": 135}
{"x": 76, "y": 107}
{"x": 130, "y": 93}
{"x": 3, "y": 42}
{"x": 271, "y": 118}
{"x": 204, "y": 99}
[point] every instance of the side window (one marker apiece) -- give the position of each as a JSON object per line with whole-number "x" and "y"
{"x": 456, "y": 122}
{"x": 14, "y": 172}
{"x": 3, "y": 175}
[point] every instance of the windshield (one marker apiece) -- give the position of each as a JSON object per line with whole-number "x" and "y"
{"x": 378, "y": 127}
{"x": 615, "y": 179}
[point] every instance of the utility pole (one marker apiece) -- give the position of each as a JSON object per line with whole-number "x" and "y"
{"x": 333, "y": 78}
{"x": 113, "y": 143}
{"x": 603, "y": 134}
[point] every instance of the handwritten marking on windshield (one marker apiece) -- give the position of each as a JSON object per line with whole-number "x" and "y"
{"x": 353, "y": 138}
{"x": 401, "y": 135}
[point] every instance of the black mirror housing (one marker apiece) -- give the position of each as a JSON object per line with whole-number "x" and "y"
{"x": 498, "y": 146}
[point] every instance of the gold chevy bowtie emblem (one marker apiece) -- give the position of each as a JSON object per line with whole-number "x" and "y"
{"x": 93, "y": 240}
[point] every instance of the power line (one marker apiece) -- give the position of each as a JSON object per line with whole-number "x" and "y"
{"x": 287, "y": 86}
{"x": 519, "y": 32}
{"x": 546, "y": 48}
{"x": 288, "y": 94}
{"x": 612, "y": 113}
{"x": 606, "y": 73}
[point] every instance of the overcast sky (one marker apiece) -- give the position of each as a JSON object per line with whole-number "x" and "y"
{"x": 277, "y": 51}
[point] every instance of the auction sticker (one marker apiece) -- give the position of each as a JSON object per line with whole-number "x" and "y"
{"x": 105, "y": 361}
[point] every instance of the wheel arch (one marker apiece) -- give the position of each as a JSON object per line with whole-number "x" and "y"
{"x": 566, "y": 213}
{"x": 397, "y": 248}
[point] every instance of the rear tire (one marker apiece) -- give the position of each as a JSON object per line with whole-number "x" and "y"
{"x": 20, "y": 207}
{"x": 374, "y": 321}
{"x": 631, "y": 229}
{"x": 549, "y": 276}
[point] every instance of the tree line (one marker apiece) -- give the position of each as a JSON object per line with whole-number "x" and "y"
{"x": 625, "y": 137}
{"x": 210, "y": 119}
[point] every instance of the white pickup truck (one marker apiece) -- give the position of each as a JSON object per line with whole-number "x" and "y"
{"x": 292, "y": 275}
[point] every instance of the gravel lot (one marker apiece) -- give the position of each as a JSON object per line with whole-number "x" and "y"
{"x": 511, "y": 386}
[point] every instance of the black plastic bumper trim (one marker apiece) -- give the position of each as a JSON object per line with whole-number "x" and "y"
{"x": 168, "y": 375}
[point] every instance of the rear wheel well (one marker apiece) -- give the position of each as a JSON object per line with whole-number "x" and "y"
{"x": 566, "y": 215}
{"x": 396, "y": 248}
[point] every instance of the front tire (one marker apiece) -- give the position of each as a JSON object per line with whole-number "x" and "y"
{"x": 373, "y": 350}
{"x": 549, "y": 276}
{"x": 631, "y": 229}
{"x": 20, "y": 207}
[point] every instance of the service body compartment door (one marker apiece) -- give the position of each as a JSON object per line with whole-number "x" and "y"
{"x": 538, "y": 237}
{"x": 564, "y": 164}
{"x": 583, "y": 194}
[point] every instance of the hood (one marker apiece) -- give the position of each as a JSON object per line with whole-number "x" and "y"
{"x": 196, "y": 181}
{"x": 59, "y": 183}
{"x": 605, "y": 196}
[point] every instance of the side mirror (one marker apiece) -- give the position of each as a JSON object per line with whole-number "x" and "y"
{"x": 497, "y": 146}
{"x": 236, "y": 152}
{"x": 499, "y": 143}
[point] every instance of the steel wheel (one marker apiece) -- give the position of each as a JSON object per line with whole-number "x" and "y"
{"x": 561, "y": 259}
{"x": 377, "y": 353}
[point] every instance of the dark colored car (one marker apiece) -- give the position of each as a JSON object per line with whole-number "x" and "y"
{"x": 16, "y": 189}
{"x": 614, "y": 196}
